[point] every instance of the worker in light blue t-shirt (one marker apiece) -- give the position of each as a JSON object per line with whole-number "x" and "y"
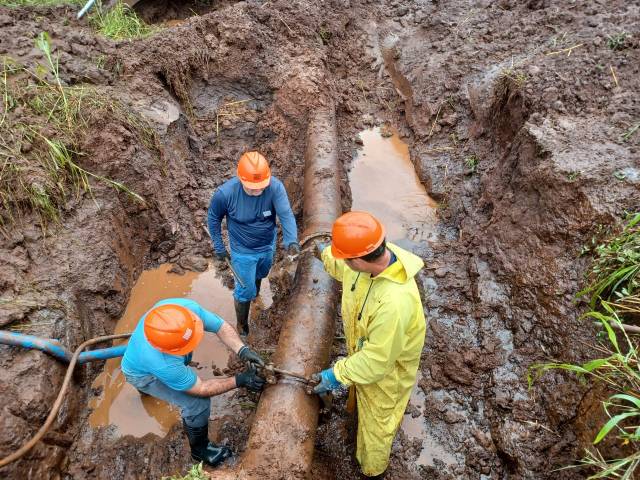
{"x": 156, "y": 363}
{"x": 250, "y": 202}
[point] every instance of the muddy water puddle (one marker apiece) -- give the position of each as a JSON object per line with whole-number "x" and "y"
{"x": 384, "y": 182}
{"x": 120, "y": 404}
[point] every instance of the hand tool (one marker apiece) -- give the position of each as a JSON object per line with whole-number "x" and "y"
{"x": 228, "y": 262}
{"x": 235, "y": 274}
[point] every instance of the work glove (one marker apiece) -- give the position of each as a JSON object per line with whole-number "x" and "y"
{"x": 222, "y": 255}
{"x": 251, "y": 357}
{"x": 328, "y": 381}
{"x": 250, "y": 380}
{"x": 293, "y": 249}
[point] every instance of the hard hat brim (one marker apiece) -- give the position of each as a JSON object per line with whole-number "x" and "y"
{"x": 195, "y": 339}
{"x": 340, "y": 255}
{"x": 256, "y": 185}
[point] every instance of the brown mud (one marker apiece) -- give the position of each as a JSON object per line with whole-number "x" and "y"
{"x": 515, "y": 126}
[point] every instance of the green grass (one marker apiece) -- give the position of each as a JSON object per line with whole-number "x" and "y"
{"x": 632, "y": 129}
{"x": 573, "y": 175}
{"x": 42, "y": 124}
{"x": 618, "y": 370}
{"x": 471, "y": 162}
{"x": 617, "y": 41}
{"x": 117, "y": 23}
{"x": 614, "y": 296}
{"x": 120, "y": 23}
{"x": 616, "y": 268}
{"x": 195, "y": 473}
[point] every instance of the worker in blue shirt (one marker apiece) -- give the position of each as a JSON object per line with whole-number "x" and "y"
{"x": 156, "y": 363}
{"x": 250, "y": 202}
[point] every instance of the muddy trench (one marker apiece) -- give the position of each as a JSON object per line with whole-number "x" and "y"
{"x": 483, "y": 152}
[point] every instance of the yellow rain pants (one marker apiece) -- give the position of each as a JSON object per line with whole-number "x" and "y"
{"x": 384, "y": 347}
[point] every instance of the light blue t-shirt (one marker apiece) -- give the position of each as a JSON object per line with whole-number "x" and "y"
{"x": 140, "y": 358}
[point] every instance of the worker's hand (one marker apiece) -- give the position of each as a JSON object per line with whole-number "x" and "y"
{"x": 252, "y": 358}
{"x": 327, "y": 379}
{"x": 250, "y": 380}
{"x": 293, "y": 248}
{"x": 222, "y": 255}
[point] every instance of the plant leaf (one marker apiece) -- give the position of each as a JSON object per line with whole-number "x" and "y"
{"x": 613, "y": 421}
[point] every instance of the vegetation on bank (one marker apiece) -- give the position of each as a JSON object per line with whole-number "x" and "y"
{"x": 43, "y": 123}
{"x": 118, "y": 23}
{"x": 195, "y": 473}
{"x": 613, "y": 289}
{"x": 39, "y": 3}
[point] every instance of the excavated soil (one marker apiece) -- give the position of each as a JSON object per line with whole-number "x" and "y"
{"x": 514, "y": 113}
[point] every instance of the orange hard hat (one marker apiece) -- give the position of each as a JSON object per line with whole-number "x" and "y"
{"x": 253, "y": 170}
{"x": 356, "y": 234}
{"x": 173, "y": 329}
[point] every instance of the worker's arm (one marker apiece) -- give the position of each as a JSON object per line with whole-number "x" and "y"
{"x": 333, "y": 266}
{"x": 217, "y": 211}
{"x": 379, "y": 353}
{"x": 212, "y": 387}
{"x": 230, "y": 337}
{"x": 226, "y": 333}
{"x": 285, "y": 214}
{"x": 248, "y": 379}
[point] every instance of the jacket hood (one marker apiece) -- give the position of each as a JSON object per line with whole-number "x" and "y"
{"x": 407, "y": 266}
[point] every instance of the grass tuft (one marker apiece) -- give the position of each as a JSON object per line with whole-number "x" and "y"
{"x": 614, "y": 293}
{"x": 120, "y": 23}
{"x": 628, "y": 134}
{"x": 616, "y": 268}
{"x": 514, "y": 76}
{"x": 195, "y": 473}
{"x": 617, "y": 41}
{"x": 43, "y": 122}
{"x": 39, "y": 3}
{"x": 471, "y": 162}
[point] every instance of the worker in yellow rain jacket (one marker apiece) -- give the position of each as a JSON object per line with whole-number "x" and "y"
{"x": 384, "y": 325}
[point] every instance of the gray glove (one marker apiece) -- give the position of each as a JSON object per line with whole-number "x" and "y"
{"x": 250, "y": 380}
{"x": 251, "y": 357}
{"x": 293, "y": 249}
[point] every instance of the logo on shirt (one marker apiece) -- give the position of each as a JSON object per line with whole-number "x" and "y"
{"x": 266, "y": 213}
{"x": 187, "y": 334}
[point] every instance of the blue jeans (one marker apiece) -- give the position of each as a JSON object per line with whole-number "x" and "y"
{"x": 194, "y": 410}
{"x": 250, "y": 266}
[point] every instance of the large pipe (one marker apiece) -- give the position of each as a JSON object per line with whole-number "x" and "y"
{"x": 283, "y": 432}
{"x": 56, "y": 349}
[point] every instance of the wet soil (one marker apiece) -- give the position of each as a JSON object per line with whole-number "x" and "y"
{"x": 515, "y": 124}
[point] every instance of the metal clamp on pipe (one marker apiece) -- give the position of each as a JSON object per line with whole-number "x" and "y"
{"x": 270, "y": 373}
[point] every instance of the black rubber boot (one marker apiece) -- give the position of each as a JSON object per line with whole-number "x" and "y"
{"x": 258, "y": 283}
{"x": 242, "y": 316}
{"x": 202, "y": 450}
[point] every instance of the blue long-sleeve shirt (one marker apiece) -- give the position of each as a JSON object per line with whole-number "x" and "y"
{"x": 251, "y": 221}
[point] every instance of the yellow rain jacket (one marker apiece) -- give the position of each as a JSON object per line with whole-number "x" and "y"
{"x": 384, "y": 347}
